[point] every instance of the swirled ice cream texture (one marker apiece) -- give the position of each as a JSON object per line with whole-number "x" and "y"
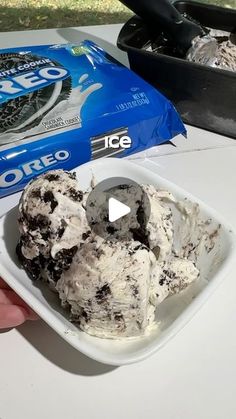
{"x": 224, "y": 55}
{"x": 52, "y": 223}
{"x": 113, "y": 288}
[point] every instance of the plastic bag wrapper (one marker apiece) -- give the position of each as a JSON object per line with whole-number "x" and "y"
{"x": 64, "y": 105}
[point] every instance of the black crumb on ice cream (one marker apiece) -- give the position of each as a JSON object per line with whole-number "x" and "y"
{"x": 113, "y": 284}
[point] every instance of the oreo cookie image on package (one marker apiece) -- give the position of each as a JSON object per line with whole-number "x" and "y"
{"x": 64, "y": 105}
{"x": 26, "y": 111}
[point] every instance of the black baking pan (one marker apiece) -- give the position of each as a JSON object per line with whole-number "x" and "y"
{"x": 204, "y": 96}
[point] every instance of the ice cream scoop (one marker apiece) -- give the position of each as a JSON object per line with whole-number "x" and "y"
{"x": 113, "y": 288}
{"x": 189, "y": 37}
{"x": 52, "y": 224}
{"x": 112, "y": 284}
{"x": 149, "y": 221}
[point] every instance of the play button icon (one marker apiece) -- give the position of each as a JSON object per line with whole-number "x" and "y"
{"x": 116, "y": 210}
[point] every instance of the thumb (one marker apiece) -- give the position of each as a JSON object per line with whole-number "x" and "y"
{"x": 12, "y": 316}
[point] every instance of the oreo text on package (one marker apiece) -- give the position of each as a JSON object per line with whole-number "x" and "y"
{"x": 71, "y": 98}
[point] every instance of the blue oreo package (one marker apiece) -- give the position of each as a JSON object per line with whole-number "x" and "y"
{"x": 64, "y": 105}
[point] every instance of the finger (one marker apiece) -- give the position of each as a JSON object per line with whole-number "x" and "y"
{"x": 3, "y": 284}
{"x": 31, "y": 313}
{"x": 12, "y": 316}
{"x": 9, "y": 297}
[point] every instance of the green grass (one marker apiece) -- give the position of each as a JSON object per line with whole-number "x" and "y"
{"x": 42, "y": 14}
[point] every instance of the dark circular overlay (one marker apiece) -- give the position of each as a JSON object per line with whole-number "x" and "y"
{"x": 128, "y": 193}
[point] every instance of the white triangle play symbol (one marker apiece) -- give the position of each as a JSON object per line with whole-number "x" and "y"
{"x": 117, "y": 209}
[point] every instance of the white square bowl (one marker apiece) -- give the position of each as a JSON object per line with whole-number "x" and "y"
{"x": 173, "y": 313}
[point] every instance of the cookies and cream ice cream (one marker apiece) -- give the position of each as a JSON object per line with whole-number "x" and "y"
{"x": 52, "y": 224}
{"x": 217, "y": 49}
{"x": 111, "y": 284}
{"x": 112, "y": 288}
{"x": 224, "y": 55}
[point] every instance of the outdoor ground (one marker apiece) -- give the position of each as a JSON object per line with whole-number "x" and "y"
{"x": 40, "y": 14}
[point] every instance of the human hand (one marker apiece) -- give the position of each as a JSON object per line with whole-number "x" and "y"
{"x": 13, "y": 310}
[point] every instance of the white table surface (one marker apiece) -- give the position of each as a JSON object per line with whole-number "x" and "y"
{"x": 194, "y": 375}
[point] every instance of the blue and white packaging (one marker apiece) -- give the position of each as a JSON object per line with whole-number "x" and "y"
{"x": 64, "y": 105}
